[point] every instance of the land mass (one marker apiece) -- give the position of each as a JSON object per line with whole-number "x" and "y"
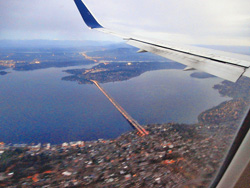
{"x": 171, "y": 155}
{"x": 231, "y": 110}
{"x": 30, "y": 56}
{"x": 29, "y": 61}
{"x": 112, "y": 72}
{"x": 3, "y": 73}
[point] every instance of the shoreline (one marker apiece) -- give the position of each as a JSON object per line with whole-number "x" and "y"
{"x": 189, "y": 153}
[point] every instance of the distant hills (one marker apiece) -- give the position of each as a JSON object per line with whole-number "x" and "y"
{"x": 91, "y": 43}
{"x": 52, "y": 43}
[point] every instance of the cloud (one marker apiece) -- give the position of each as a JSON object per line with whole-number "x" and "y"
{"x": 191, "y": 21}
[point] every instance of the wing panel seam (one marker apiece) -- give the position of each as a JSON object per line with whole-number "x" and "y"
{"x": 188, "y": 53}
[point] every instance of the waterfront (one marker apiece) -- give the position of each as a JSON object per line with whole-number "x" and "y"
{"x": 37, "y": 106}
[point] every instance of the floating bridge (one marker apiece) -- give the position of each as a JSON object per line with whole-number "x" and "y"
{"x": 134, "y": 123}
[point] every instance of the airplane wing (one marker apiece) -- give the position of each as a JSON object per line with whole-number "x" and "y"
{"x": 226, "y": 65}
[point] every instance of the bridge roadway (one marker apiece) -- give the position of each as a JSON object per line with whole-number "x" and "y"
{"x": 133, "y": 122}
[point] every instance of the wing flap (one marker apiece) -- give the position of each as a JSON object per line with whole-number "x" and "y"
{"x": 247, "y": 73}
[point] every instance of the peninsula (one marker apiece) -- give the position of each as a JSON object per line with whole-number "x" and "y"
{"x": 112, "y": 72}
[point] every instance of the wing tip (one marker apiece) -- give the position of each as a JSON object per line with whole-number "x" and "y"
{"x": 87, "y": 17}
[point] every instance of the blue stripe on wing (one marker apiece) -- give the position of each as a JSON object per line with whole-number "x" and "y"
{"x": 86, "y": 15}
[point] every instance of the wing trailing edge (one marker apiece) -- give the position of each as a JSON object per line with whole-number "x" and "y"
{"x": 225, "y": 65}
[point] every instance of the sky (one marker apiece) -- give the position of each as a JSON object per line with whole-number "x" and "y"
{"x": 213, "y": 22}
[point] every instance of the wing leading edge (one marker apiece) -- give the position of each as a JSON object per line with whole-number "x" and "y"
{"x": 226, "y": 65}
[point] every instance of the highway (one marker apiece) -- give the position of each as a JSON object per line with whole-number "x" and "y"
{"x": 134, "y": 123}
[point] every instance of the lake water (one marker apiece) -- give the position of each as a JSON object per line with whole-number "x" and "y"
{"x": 37, "y": 106}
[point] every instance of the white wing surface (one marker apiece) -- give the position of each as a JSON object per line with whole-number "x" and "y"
{"x": 226, "y": 65}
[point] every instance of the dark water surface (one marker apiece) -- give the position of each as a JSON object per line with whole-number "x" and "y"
{"x": 37, "y": 106}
